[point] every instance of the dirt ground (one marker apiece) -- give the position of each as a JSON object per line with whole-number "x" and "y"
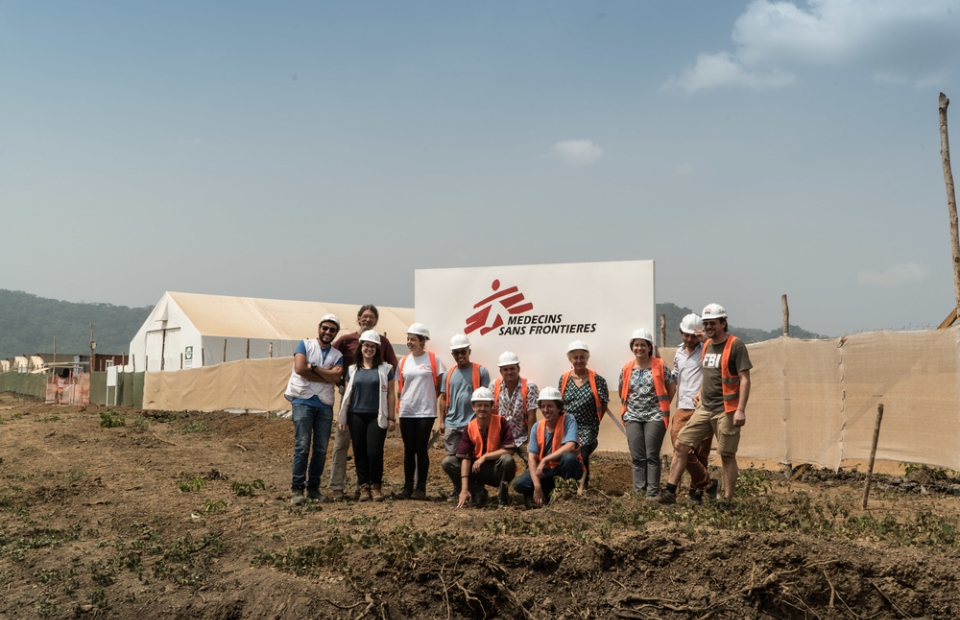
{"x": 112, "y": 512}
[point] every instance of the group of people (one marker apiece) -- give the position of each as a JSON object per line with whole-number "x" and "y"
{"x": 484, "y": 423}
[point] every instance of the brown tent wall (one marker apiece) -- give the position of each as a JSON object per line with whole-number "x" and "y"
{"x": 811, "y": 401}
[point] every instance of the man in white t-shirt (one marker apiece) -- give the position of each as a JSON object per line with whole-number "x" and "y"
{"x": 317, "y": 367}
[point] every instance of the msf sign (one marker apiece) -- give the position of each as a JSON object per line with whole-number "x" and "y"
{"x": 509, "y": 299}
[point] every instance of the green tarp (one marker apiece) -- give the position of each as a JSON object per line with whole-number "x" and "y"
{"x": 129, "y": 390}
{"x": 28, "y": 384}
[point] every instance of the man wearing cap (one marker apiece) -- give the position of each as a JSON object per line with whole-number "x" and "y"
{"x": 687, "y": 376}
{"x": 554, "y": 450}
{"x": 721, "y": 404}
{"x": 317, "y": 367}
{"x": 515, "y": 400}
{"x": 348, "y": 344}
{"x": 456, "y": 389}
{"x": 484, "y": 456}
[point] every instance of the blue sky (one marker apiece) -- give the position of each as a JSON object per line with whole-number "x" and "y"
{"x": 327, "y": 150}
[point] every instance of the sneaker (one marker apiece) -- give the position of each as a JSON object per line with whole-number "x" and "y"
{"x": 667, "y": 497}
{"x": 337, "y": 495}
{"x": 377, "y": 492}
{"x": 365, "y": 495}
{"x": 713, "y": 488}
{"x": 420, "y": 494}
{"x": 480, "y": 498}
{"x": 696, "y": 497}
{"x": 503, "y": 495}
{"x": 297, "y": 497}
{"x": 406, "y": 493}
{"x": 313, "y": 494}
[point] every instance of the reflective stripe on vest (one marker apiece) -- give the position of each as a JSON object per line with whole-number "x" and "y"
{"x": 493, "y": 436}
{"x": 498, "y": 384}
{"x": 729, "y": 383}
{"x": 593, "y": 387}
{"x": 557, "y": 442}
{"x": 433, "y": 369}
{"x": 659, "y": 386}
{"x": 474, "y": 381}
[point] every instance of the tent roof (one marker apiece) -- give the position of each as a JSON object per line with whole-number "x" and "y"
{"x": 249, "y": 317}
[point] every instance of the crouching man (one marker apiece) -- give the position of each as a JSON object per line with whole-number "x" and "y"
{"x": 554, "y": 450}
{"x": 484, "y": 456}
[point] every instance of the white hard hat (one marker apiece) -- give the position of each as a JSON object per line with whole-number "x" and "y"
{"x": 714, "y": 311}
{"x": 642, "y": 334}
{"x": 578, "y": 345}
{"x": 419, "y": 329}
{"x": 508, "y": 358}
{"x": 459, "y": 341}
{"x": 690, "y": 324}
{"x": 331, "y": 318}
{"x": 481, "y": 394}
{"x": 550, "y": 393}
{"x": 370, "y": 336}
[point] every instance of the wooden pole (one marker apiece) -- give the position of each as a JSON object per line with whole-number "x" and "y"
{"x": 181, "y": 361}
{"x": 90, "y": 365}
{"x": 54, "y": 348}
{"x": 786, "y": 315}
{"x": 951, "y": 197}
{"x": 248, "y": 348}
{"x": 270, "y": 353}
{"x": 663, "y": 330}
{"x": 163, "y": 349}
{"x": 873, "y": 456}
{"x": 224, "y": 349}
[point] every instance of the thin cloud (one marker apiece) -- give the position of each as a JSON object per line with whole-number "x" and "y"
{"x": 683, "y": 170}
{"x": 894, "y": 276}
{"x": 577, "y": 153}
{"x": 896, "y": 42}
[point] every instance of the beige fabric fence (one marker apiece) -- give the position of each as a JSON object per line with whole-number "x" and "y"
{"x": 812, "y": 401}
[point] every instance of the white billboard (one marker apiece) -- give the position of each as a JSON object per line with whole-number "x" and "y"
{"x": 536, "y": 311}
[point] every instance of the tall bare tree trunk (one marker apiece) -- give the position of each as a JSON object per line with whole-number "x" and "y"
{"x": 951, "y": 197}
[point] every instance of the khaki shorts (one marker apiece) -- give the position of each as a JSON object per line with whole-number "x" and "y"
{"x": 702, "y": 423}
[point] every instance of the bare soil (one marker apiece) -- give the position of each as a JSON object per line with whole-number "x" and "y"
{"x": 187, "y": 515}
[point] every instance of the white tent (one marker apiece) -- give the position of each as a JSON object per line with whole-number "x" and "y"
{"x": 189, "y": 330}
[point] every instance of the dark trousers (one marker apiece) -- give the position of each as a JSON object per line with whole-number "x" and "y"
{"x": 492, "y": 473}
{"x": 415, "y": 433}
{"x": 569, "y": 468}
{"x": 368, "y": 440}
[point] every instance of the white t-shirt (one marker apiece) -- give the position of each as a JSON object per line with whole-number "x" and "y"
{"x": 419, "y": 397}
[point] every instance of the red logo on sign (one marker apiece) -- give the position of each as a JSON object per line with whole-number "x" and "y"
{"x": 511, "y": 299}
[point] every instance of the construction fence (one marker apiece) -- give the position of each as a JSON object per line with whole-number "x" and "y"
{"x": 27, "y": 384}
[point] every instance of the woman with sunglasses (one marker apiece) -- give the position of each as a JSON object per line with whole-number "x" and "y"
{"x": 366, "y": 407}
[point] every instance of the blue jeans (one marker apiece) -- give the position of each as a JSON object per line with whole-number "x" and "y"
{"x": 570, "y": 467}
{"x": 316, "y": 421}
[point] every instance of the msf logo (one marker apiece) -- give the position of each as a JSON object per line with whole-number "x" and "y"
{"x": 509, "y": 299}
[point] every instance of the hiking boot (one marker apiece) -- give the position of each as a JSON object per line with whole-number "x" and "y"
{"x": 480, "y": 498}
{"x": 337, "y": 495}
{"x": 503, "y": 495}
{"x": 365, "y": 495}
{"x": 420, "y": 494}
{"x": 313, "y": 494}
{"x": 696, "y": 497}
{"x": 713, "y": 488}
{"x": 667, "y": 497}
{"x": 297, "y": 497}
{"x": 377, "y": 492}
{"x": 406, "y": 493}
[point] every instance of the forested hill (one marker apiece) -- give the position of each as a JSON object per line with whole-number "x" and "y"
{"x": 28, "y": 323}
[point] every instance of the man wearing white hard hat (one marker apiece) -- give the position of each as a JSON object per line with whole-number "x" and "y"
{"x": 554, "y": 450}
{"x": 721, "y": 406}
{"x": 456, "y": 391}
{"x": 484, "y": 456}
{"x": 687, "y": 374}
{"x": 317, "y": 367}
{"x": 515, "y": 400}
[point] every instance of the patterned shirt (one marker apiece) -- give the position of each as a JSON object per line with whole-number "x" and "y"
{"x": 514, "y": 410}
{"x": 579, "y": 402}
{"x": 642, "y": 403}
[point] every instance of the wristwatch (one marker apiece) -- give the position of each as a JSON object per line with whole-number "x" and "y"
{"x": 313, "y": 366}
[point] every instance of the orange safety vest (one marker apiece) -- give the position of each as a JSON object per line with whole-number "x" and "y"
{"x": 593, "y": 386}
{"x": 493, "y": 436}
{"x": 474, "y": 380}
{"x": 557, "y": 442}
{"x": 659, "y": 386}
{"x": 498, "y": 384}
{"x": 729, "y": 383}
{"x": 433, "y": 369}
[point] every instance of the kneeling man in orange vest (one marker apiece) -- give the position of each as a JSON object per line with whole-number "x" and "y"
{"x": 554, "y": 450}
{"x": 484, "y": 456}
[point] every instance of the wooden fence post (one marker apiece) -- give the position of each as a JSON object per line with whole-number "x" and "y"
{"x": 951, "y": 197}
{"x": 786, "y": 315}
{"x": 873, "y": 456}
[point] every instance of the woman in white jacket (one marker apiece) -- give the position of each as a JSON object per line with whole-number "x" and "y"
{"x": 366, "y": 407}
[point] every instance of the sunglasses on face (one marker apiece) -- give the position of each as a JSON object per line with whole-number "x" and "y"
{"x": 325, "y": 328}
{"x": 711, "y": 323}
{"x": 369, "y": 345}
